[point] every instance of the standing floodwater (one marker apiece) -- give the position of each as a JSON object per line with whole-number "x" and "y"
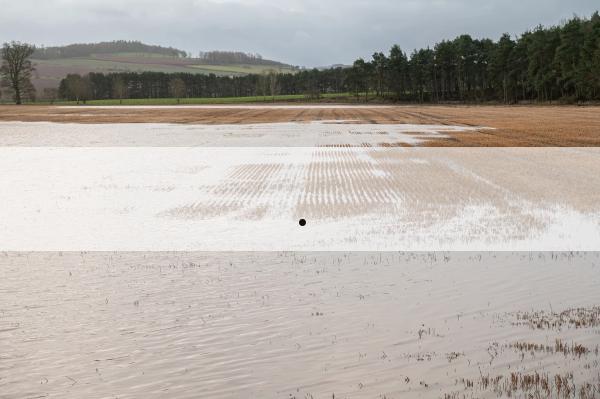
{"x": 271, "y": 325}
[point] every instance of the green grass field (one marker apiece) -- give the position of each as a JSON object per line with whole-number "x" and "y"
{"x": 344, "y": 97}
{"x": 50, "y": 72}
{"x": 242, "y": 69}
{"x": 133, "y": 62}
{"x": 59, "y": 68}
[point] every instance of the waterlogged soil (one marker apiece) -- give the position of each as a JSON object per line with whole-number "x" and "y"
{"x": 251, "y": 198}
{"x": 450, "y": 325}
{"x": 301, "y": 325}
{"x": 513, "y": 126}
{"x": 281, "y": 134}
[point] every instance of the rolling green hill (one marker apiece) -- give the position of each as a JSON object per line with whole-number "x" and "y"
{"x": 54, "y": 63}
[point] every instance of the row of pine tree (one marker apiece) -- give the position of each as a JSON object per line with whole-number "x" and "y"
{"x": 545, "y": 64}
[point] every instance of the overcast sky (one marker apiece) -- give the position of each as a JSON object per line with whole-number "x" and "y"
{"x": 300, "y": 32}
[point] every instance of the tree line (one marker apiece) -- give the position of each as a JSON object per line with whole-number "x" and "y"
{"x": 123, "y": 85}
{"x": 544, "y": 64}
{"x": 233, "y": 58}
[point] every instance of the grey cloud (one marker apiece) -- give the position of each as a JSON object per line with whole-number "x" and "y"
{"x": 308, "y": 32}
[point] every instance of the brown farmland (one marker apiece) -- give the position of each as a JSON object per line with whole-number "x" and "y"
{"x": 518, "y": 126}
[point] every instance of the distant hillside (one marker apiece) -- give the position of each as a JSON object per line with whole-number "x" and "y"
{"x": 119, "y": 46}
{"x": 54, "y": 63}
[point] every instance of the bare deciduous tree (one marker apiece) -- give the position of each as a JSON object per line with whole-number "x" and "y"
{"x": 273, "y": 83}
{"x": 119, "y": 89}
{"x": 50, "y": 93}
{"x": 16, "y": 69}
{"x": 263, "y": 85}
{"x": 75, "y": 87}
{"x": 177, "y": 88}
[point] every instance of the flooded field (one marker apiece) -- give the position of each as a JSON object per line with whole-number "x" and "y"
{"x": 303, "y": 325}
{"x": 283, "y": 134}
{"x": 251, "y": 198}
{"x": 156, "y": 252}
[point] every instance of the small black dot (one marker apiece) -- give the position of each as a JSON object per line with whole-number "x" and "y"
{"x": 302, "y": 222}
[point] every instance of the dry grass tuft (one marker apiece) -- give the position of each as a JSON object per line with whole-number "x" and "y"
{"x": 570, "y": 318}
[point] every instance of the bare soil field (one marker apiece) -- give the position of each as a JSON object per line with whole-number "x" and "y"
{"x": 521, "y": 126}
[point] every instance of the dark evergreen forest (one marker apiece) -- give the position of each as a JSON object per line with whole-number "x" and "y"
{"x": 545, "y": 64}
